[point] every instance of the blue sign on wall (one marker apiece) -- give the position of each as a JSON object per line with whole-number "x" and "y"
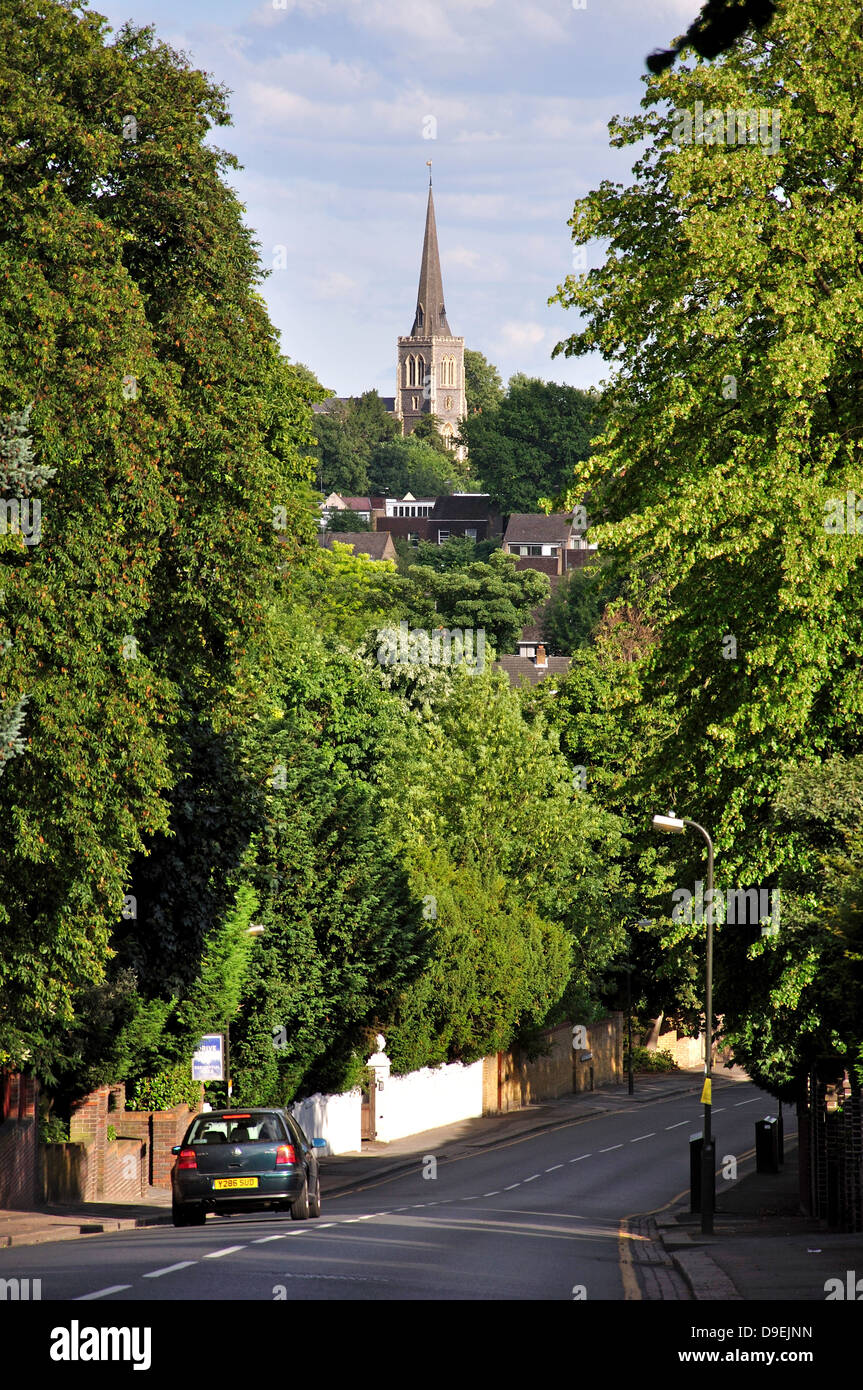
{"x": 208, "y": 1062}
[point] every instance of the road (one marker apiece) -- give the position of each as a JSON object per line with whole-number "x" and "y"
{"x": 538, "y": 1217}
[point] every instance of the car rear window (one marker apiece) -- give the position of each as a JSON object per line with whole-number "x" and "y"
{"x": 241, "y": 1128}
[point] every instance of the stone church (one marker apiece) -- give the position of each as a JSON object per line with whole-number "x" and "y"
{"x": 430, "y": 376}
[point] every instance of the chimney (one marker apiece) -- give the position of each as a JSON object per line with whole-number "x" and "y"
{"x": 540, "y": 659}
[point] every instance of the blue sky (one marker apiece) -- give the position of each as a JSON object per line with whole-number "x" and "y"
{"x": 331, "y": 101}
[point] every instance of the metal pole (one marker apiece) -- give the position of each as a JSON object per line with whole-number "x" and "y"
{"x": 708, "y": 1166}
{"x": 629, "y": 1021}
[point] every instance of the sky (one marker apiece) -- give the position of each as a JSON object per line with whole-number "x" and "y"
{"x": 338, "y": 104}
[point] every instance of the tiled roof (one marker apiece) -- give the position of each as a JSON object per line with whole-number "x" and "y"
{"x": 536, "y": 528}
{"x": 470, "y": 507}
{"x": 520, "y": 669}
{"x": 371, "y": 543}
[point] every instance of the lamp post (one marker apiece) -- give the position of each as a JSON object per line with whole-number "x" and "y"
{"x": 675, "y": 826}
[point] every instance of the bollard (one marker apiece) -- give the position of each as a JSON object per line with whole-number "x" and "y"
{"x": 696, "y": 1144}
{"x": 767, "y": 1145}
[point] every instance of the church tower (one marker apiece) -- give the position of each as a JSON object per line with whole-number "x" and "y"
{"x": 431, "y": 361}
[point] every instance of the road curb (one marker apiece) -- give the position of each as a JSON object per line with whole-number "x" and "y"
{"x": 99, "y": 1227}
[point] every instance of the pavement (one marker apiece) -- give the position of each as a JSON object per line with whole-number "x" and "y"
{"x": 762, "y": 1247}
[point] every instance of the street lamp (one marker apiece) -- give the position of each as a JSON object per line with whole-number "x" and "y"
{"x": 673, "y": 825}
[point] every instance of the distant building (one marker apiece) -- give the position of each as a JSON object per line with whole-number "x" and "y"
{"x": 530, "y": 670}
{"x": 430, "y": 373}
{"x": 464, "y": 514}
{"x": 362, "y": 507}
{"x": 552, "y": 544}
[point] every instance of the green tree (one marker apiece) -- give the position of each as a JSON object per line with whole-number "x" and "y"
{"x": 527, "y": 447}
{"x": 490, "y": 595}
{"x": 734, "y": 418}
{"x": 576, "y": 607}
{"x": 483, "y": 387}
{"x": 146, "y": 602}
{"x": 346, "y": 520}
{"x": 348, "y": 432}
{"x": 413, "y": 465}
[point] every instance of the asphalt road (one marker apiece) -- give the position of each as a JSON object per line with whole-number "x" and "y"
{"x": 538, "y": 1217}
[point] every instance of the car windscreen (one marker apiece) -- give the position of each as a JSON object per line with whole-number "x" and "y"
{"x": 237, "y": 1128}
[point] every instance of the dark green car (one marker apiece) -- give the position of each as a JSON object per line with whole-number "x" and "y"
{"x": 245, "y": 1160}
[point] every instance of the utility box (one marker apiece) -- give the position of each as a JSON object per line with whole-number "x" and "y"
{"x": 767, "y": 1144}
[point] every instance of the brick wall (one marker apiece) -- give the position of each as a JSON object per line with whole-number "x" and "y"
{"x": 88, "y": 1125}
{"x": 63, "y": 1172}
{"x": 125, "y": 1171}
{"x": 19, "y": 1142}
{"x": 511, "y": 1080}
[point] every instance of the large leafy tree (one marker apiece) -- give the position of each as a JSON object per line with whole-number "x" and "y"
{"x": 727, "y": 303}
{"x": 483, "y": 387}
{"x": 130, "y": 318}
{"x": 413, "y": 465}
{"x": 348, "y": 433}
{"x": 735, "y": 416}
{"x": 526, "y": 447}
{"x": 510, "y": 858}
{"x": 491, "y": 595}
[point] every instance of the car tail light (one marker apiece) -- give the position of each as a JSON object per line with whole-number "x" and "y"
{"x": 285, "y": 1154}
{"x": 187, "y": 1158}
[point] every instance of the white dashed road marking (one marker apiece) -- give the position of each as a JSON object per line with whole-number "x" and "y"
{"x": 677, "y": 1126}
{"x": 745, "y": 1102}
{"x": 169, "y": 1269}
{"x": 228, "y": 1250}
{"x": 580, "y": 1157}
{"x": 554, "y": 1166}
{"x": 101, "y": 1293}
{"x": 262, "y": 1240}
{"x": 533, "y": 1179}
{"x": 643, "y": 1136}
{"x": 492, "y": 1194}
{"x": 613, "y": 1146}
{"x": 511, "y": 1186}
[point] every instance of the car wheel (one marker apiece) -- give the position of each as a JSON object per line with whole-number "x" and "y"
{"x": 179, "y": 1215}
{"x": 315, "y": 1198}
{"x": 196, "y": 1216}
{"x": 300, "y": 1205}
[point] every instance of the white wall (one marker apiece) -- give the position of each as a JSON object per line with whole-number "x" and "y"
{"x": 428, "y": 1098}
{"x": 334, "y": 1118}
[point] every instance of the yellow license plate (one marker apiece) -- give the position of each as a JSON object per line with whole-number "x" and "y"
{"x": 234, "y": 1182}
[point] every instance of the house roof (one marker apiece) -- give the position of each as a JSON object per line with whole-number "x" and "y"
{"x": 521, "y": 669}
{"x": 358, "y": 504}
{"x": 536, "y": 528}
{"x": 474, "y": 506}
{"x": 377, "y": 545}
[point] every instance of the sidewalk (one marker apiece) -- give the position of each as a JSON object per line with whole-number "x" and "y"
{"x": 762, "y": 1247}
{"x": 350, "y": 1172}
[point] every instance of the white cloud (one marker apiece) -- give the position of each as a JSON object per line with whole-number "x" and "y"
{"x": 521, "y": 335}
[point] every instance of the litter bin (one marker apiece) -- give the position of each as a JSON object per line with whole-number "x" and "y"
{"x": 767, "y": 1144}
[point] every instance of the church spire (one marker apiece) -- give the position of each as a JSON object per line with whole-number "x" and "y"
{"x": 431, "y": 314}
